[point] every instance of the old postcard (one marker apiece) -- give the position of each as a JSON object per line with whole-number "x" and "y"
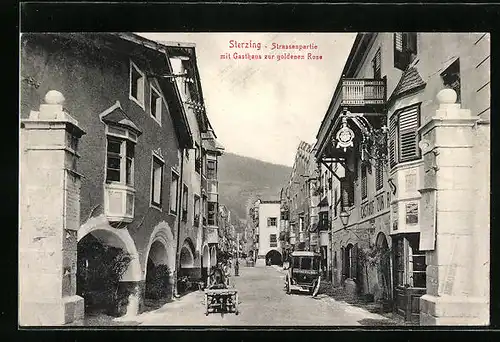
{"x": 254, "y": 179}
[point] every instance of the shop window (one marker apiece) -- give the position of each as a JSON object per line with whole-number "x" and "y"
{"x": 409, "y": 262}
{"x": 451, "y": 77}
{"x": 405, "y": 49}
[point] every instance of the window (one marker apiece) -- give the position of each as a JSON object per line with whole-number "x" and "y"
{"x": 185, "y": 200}
{"x": 196, "y": 210}
{"x": 323, "y": 221}
{"x": 136, "y": 85}
{"x": 403, "y": 137}
{"x": 211, "y": 169}
{"x": 272, "y": 241}
{"x": 301, "y": 224}
{"x": 379, "y": 174}
{"x": 212, "y": 213}
{"x": 204, "y": 210}
{"x": 376, "y": 65}
{"x": 364, "y": 184}
{"x": 120, "y": 161}
{"x": 197, "y": 158}
{"x": 335, "y": 201}
{"x": 271, "y": 221}
{"x": 405, "y": 49}
{"x": 155, "y": 105}
{"x": 157, "y": 181}
{"x": 173, "y": 193}
{"x": 451, "y": 77}
{"x": 350, "y": 259}
{"x": 347, "y": 192}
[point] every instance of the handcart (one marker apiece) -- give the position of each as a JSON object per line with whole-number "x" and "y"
{"x": 221, "y": 300}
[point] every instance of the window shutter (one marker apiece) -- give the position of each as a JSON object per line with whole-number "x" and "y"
{"x": 364, "y": 184}
{"x": 355, "y": 261}
{"x": 408, "y": 137}
{"x": 399, "y": 53}
{"x": 411, "y": 42}
{"x": 343, "y": 259}
{"x": 379, "y": 175}
{"x": 393, "y": 129}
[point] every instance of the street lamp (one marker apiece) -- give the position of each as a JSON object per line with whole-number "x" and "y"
{"x": 344, "y": 217}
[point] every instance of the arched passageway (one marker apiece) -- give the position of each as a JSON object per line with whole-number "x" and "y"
{"x": 273, "y": 257}
{"x": 205, "y": 263}
{"x": 187, "y": 268}
{"x": 213, "y": 257}
{"x": 157, "y": 272}
{"x": 103, "y": 262}
{"x": 108, "y": 268}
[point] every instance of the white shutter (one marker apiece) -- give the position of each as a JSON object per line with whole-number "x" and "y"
{"x": 408, "y": 125}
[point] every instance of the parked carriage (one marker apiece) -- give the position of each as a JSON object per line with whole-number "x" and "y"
{"x": 219, "y": 297}
{"x": 303, "y": 273}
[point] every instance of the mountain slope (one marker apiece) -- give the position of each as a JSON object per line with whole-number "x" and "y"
{"x": 242, "y": 180}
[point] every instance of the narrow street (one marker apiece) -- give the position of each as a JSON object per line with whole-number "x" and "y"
{"x": 263, "y": 302}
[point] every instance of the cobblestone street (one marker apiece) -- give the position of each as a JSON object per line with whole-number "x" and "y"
{"x": 263, "y": 302}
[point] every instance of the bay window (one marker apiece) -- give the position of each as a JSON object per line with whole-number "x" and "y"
{"x": 212, "y": 213}
{"x": 211, "y": 169}
{"x": 119, "y": 185}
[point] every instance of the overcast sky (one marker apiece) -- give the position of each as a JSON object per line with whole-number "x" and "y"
{"x": 264, "y": 108}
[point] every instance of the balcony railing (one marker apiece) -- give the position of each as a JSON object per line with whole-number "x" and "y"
{"x": 363, "y": 92}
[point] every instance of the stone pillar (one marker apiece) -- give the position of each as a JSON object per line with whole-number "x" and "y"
{"x": 447, "y": 146}
{"x": 50, "y": 216}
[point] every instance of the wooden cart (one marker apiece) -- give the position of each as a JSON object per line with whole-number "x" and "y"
{"x": 221, "y": 300}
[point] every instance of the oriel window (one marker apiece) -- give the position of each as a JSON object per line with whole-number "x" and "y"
{"x": 120, "y": 161}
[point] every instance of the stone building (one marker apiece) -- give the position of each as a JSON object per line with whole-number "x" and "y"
{"x": 405, "y": 159}
{"x": 121, "y": 181}
{"x": 266, "y": 234}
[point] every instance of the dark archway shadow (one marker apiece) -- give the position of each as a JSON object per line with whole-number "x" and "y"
{"x": 274, "y": 257}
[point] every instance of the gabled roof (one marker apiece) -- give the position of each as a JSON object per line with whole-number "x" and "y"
{"x": 410, "y": 81}
{"x": 116, "y": 115}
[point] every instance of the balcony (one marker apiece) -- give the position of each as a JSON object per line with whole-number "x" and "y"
{"x": 363, "y": 94}
{"x": 212, "y": 234}
{"x": 119, "y": 202}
